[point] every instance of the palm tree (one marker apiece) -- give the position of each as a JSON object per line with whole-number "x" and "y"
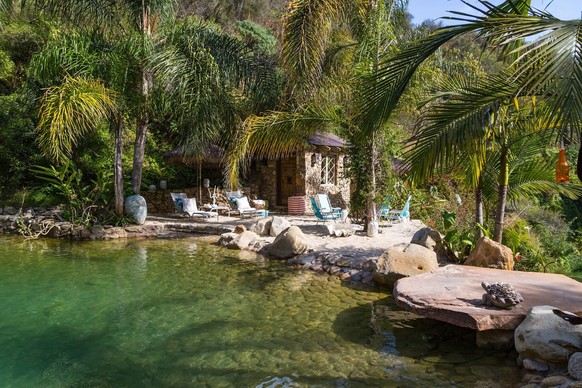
{"x": 121, "y": 19}
{"x": 549, "y": 68}
{"x": 196, "y": 67}
{"x": 492, "y": 139}
{"x": 329, "y": 48}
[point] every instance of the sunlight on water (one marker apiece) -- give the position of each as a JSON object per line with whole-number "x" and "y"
{"x": 185, "y": 313}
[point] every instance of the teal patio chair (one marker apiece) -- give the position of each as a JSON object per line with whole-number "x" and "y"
{"x": 385, "y": 214}
{"x": 323, "y": 215}
{"x": 401, "y": 215}
{"x": 325, "y": 205}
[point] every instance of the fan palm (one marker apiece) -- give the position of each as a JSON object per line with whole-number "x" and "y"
{"x": 494, "y": 138}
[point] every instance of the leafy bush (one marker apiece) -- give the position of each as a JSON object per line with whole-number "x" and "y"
{"x": 542, "y": 241}
{"x": 81, "y": 199}
{"x": 258, "y": 37}
{"x": 18, "y": 149}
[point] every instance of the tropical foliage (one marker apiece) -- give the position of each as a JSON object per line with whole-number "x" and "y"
{"x": 475, "y": 109}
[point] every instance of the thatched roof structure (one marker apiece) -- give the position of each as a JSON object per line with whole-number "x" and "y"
{"x": 214, "y": 154}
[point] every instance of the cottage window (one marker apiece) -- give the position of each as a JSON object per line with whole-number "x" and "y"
{"x": 328, "y": 170}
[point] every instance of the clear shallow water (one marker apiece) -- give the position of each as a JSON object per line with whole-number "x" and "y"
{"x": 183, "y": 313}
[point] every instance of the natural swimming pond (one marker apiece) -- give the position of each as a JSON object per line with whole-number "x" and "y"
{"x": 185, "y": 313}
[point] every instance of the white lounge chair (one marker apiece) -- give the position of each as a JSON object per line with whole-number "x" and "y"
{"x": 325, "y": 206}
{"x": 188, "y": 205}
{"x": 243, "y": 207}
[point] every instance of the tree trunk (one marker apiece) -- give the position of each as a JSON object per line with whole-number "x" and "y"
{"x": 118, "y": 167}
{"x": 479, "y": 208}
{"x": 372, "y": 215}
{"x": 143, "y": 115}
{"x": 501, "y": 195}
{"x": 139, "y": 149}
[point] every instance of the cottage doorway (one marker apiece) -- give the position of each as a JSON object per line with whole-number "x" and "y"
{"x": 286, "y": 175}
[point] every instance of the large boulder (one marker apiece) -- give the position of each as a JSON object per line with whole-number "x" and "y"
{"x": 490, "y": 254}
{"x": 262, "y": 227}
{"x": 290, "y": 242}
{"x": 136, "y": 208}
{"x": 453, "y": 294}
{"x": 237, "y": 240}
{"x": 404, "y": 260}
{"x": 432, "y": 239}
{"x": 547, "y": 335}
{"x": 575, "y": 366}
{"x": 278, "y": 224}
{"x": 9, "y": 210}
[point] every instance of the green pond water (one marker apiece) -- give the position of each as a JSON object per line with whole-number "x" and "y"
{"x": 185, "y": 313}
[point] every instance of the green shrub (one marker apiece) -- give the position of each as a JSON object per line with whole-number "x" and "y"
{"x": 542, "y": 241}
{"x": 258, "y": 37}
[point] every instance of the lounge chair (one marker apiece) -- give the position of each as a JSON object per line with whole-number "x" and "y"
{"x": 325, "y": 205}
{"x": 244, "y": 208}
{"x": 401, "y": 215}
{"x": 324, "y": 215}
{"x": 188, "y": 205}
{"x": 240, "y": 203}
{"x": 385, "y": 213}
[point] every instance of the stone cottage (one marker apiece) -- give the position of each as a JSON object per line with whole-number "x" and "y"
{"x": 319, "y": 168}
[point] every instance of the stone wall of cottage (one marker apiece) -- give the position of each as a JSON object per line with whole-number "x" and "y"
{"x": 262, "y": 181}
{"x": 339, "y": 194}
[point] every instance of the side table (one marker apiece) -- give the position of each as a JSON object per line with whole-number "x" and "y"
{"x": 217, "y": 209}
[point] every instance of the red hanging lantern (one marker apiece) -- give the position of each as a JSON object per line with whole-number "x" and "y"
{"x": 562, "y": 168}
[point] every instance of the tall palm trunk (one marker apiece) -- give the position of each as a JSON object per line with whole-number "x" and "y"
{"x": 118, "y": 166}
{"x": 479, "y": 207}
{"x": 143, "y": 115}
{"x": 501, "y": 194}
{"x": 372, "y": 216}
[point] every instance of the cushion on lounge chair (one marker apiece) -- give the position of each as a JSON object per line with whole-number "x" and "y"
{"x": 242, "y": 203}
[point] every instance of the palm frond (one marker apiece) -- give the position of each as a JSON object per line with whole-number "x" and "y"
{"x": 275, "y": 135}
{"x": 307, "y": 27}
{"x": 385, "y": 87}
{"x": 535, "y": 178}
{"x": 456, "y": 129}
{"x": 70, "y": 110}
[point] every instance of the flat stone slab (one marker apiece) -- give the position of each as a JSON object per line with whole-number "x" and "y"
{"x": 453, "y": 294}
